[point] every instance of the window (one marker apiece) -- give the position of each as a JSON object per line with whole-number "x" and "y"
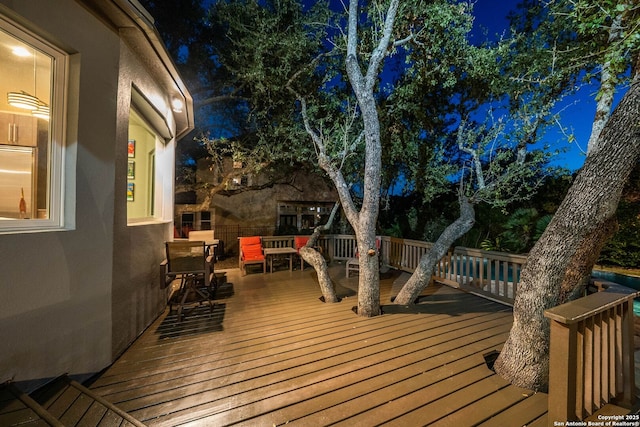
{"x": 304, "y": 216}
{"x": 141, "y": 170}
{"x": 205, "y": 220}
{"x": 31, "y": 130}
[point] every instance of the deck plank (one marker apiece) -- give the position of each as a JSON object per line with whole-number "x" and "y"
{"x": 433, "y": 404}
{"x": 352, "y": 398}
{"x": 523, "y": 413}
{"x": 321, "y": 379}
{"x": 272, "y": 354}
{"x": 77, "y": 410}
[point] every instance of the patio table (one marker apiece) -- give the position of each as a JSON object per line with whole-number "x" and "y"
{"x": 287, "y": 252}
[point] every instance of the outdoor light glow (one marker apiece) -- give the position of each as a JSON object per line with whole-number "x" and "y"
{"x": 177, "y": 105}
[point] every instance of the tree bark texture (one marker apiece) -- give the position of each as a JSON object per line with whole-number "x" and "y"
{"x": 422, "y": 275}
{"x": 560, "y": 263}
{"x": 368, "y": 274}
{"x": 363, "y": 85}
{"x": 317, "y": 261}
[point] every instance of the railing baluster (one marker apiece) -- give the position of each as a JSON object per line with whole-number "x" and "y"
{"x": 580, "y": 368}
{"x": 619, "y": 363}
{"x": 629, "y": 363}
{"x": 612, "y": 353}
{"x": 588, "y": 366}
{"x": 604, "y": 354}
{"x": 597, "y": 360}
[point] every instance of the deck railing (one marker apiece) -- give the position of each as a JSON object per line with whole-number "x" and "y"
{"x": 591, "y": 354}
{"x": 492, "y": 274}
{"x": 403, "y": 254}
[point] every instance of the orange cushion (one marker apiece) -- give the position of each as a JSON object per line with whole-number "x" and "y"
{"x": 252, "y": 252}
{"x": 255, "y": 240}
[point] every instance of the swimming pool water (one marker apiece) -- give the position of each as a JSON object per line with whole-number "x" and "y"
{"x": 632, "y": 282}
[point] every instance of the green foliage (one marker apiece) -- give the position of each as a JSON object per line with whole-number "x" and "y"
{"x": 520, "y": 232}
{"x": 238, "y": 58}
{"x": 623, "y": 249}
{"x": 247, "y": 60}
{"x": 609, "y": 28}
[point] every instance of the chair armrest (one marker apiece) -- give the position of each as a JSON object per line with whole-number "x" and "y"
{"x": 164, "y": 267}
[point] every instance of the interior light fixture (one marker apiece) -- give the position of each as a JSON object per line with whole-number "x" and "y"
{"x": 41, "y": 112}
{"x": 22, "y": 100}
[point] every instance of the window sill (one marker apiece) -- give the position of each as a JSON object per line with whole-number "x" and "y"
{"x": 145, "y": 221}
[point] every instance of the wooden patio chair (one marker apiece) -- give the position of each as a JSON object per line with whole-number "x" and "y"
{"x": 188, "y": 261}
{"x": 208, "y": 237}
{"x": 251, "y": 252}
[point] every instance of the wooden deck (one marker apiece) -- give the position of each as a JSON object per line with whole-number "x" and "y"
{"x": 272, "y": 354}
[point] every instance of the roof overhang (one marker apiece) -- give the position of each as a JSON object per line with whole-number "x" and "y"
{"x": 136, "y": 27}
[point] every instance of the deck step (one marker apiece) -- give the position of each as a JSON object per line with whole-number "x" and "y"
{"x": 19, "y": 409}
{"x": 60, "y": 403}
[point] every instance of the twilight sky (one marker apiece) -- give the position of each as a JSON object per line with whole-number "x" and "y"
{"x": 577, "y": 111}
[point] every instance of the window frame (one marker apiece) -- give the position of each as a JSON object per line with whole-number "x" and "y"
{"x": 151, "y": 176}
{"x": 57, "y": 133}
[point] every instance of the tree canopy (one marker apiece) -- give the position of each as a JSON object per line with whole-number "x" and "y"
{"x": 393, "y": 94}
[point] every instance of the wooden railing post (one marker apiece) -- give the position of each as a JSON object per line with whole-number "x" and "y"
{"x": 591, "y": 350}
{"x": 563, "y": 372}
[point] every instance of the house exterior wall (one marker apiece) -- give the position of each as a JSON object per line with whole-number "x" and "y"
{"x": 255, "y": 208}
{"x": 138, "y": 246}
{"x": 260, "y": 208}
{"x": 72, "y": 300}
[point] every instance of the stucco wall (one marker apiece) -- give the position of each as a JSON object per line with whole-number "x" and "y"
{"x": 72, "y": 300}
{"x": 139, "y": 247}
{"x": 55, "y": 310}
{"x": 261, "y": 207}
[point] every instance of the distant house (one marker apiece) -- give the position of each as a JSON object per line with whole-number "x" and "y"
{"x": 294, "y": 205}
{"x": 91, "y": 109}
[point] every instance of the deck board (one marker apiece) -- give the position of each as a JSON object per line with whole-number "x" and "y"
{"x": 272, "y": 354}
{"x": 524, "y": 412}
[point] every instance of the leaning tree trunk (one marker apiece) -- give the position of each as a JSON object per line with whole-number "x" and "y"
{"x": 318, "y": 262}
{"x": 422, "y": 275}
{"x": 560, "y": 263}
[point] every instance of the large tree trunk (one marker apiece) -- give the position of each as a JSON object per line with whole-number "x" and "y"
{"x": 363, "y": 85}
{"x": 422, "y": 275}
{"x": 560, "y": 263}
{"x": 368, "y": 274}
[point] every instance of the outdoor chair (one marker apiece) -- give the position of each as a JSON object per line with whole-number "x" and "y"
{"x": 251, "y": 252}
{"x": 207, "y": 236}
{"x": 188, "y": 261}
